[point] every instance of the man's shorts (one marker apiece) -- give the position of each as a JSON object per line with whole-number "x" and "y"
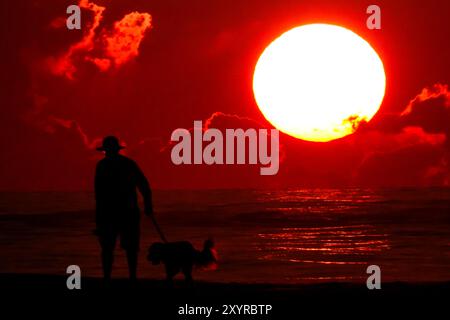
{"x": 129, "y": 234}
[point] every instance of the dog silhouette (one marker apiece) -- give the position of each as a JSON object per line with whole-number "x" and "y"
{"x": 182, "y": 256}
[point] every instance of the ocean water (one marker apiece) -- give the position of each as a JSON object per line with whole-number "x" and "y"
{"x": 262, "y": 236}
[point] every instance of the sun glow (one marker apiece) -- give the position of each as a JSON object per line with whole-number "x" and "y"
{"x": 318, "y": 82}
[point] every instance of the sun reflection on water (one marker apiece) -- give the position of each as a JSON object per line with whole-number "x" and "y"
{"x": 337, "y": 245}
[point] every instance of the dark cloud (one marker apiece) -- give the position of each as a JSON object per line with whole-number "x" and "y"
{"x": 430, "y": 110}
{"x": 407, "y": 166}
{"x": 412, "y": 147}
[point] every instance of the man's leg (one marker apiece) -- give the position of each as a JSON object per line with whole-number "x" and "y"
{"x": 107, "y": 262}
{"x": 130, "y": 243}
{"x": 132, "y": 257}
{"x": 108, "y": 243}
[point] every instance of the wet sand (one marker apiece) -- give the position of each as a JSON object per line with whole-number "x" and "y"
{"x": 149, "y": 298}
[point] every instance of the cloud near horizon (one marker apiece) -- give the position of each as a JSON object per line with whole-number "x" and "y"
{"x": 412, "y": 147}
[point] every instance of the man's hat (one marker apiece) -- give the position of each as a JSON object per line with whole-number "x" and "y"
{"x": 110, "y": 143}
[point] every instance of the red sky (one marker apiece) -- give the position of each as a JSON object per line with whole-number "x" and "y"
{"x": 140, "y": 69}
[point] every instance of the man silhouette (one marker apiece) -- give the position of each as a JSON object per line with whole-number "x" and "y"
{"x": 117, "y": 212}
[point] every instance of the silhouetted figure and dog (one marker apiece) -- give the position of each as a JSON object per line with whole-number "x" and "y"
{"x": 117, "y": 179}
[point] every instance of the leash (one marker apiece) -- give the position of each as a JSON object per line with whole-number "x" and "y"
{"x": 155, "y": 223}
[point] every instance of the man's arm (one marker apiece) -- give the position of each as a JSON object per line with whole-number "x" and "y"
{"x": 144, "y": 188}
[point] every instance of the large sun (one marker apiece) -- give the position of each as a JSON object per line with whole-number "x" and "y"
{"x": 318, "y": 82}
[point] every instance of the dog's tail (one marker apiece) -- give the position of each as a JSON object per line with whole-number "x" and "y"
{"x": 207, "y": 259}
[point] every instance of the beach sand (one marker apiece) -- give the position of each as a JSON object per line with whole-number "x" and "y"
{"x": 154, "y": 299}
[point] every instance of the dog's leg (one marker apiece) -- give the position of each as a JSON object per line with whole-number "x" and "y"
{"x": 170, "y": 273}
{"x": 187, "y": 271}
